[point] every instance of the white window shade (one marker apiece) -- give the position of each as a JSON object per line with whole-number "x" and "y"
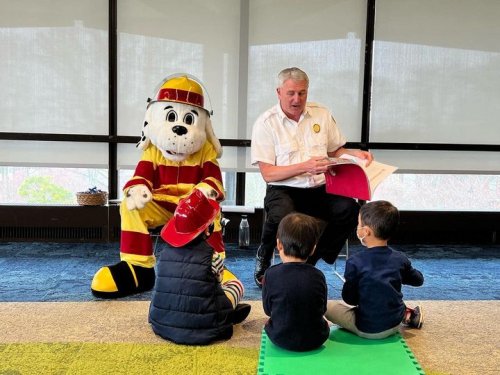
{"x": 231, "y": 159}
{"x": 158, "y": 38}
{"x": 436, "y": 73}
{"x": 54, "y": 154}
{"x": 54, "y": 67}
{"x": 237, "y": 160}
{"x": 324, "y": 38}
{"x": 128, "y": 155}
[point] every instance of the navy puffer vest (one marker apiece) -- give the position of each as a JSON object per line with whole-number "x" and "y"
{"x": 188, "y": 305}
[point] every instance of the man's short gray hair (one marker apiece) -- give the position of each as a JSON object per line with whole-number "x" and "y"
{"x": 294, "y": 74}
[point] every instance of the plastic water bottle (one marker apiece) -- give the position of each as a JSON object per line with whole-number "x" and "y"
{"x": 244, "y": 233}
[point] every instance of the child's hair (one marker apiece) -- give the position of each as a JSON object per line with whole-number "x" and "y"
{"x": 382, "y": 217}
{"x": 202, "y": 236}
{"x": 299, "y": 234}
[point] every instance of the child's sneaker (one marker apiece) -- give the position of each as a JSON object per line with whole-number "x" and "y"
{"x": 240, "y": 313}
{"x": 414, "y": 317}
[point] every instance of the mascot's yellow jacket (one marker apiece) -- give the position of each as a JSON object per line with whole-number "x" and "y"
{"x": 169, "y": 182}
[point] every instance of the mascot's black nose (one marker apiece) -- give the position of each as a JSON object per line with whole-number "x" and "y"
{"x": 179, "y": 130}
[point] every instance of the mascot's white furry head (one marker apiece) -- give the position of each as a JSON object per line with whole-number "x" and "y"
{"x": 176, "y": 121}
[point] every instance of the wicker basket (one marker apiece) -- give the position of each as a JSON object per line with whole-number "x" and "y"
{"x": 92, "y": 199}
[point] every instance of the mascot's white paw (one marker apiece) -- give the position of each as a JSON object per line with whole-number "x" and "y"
{"x": 208, "y": 192}
{"x": 137, "y": 197}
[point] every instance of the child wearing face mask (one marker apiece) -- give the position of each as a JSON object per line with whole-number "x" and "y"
{"x": 373, "y": 305}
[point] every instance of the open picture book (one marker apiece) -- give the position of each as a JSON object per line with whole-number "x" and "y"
{"x": 348, "y": 176}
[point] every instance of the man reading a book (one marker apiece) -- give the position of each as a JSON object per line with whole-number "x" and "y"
{"x": 291, "y": 143}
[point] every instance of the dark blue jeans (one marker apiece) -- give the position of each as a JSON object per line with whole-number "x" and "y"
{"x": 339, "y": 214}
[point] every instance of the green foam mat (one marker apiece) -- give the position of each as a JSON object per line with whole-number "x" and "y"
{"x": 342, "y": 353}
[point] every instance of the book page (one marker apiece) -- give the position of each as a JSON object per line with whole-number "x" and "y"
{"x": 376, "y": 171}
{"x": 343, "y": 160}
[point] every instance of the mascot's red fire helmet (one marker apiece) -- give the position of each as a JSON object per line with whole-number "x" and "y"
{"x": 181, "y": 88}
{"x": 193, "y": 215}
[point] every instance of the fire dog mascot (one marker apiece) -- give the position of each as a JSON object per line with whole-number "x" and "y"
{"x": 180, "y": 152}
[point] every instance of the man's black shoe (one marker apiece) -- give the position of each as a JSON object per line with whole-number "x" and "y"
{"x": 261, "y": 265}
{"x": 240, "y": 313}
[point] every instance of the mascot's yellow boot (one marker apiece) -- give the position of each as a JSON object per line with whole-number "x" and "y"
{"x": 122, "y": 279}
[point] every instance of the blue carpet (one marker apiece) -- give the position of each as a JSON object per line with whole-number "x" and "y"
{"x": 63, "y": 271}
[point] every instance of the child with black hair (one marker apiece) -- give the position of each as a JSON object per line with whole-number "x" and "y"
{"x": 294, "y": 293}
{"x": 374, "y": 306}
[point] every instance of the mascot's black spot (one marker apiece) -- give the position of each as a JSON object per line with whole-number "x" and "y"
{"x": 145, "y": 123}
{"x": 143, "y": 138}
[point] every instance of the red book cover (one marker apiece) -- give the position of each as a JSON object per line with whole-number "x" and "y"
{"x": 348, "y": 180}
{"x": 348, "y": 177}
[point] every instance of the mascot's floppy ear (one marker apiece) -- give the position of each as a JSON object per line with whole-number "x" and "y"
{"x": 212, "y": 138}
{"x": 143, "y": 144}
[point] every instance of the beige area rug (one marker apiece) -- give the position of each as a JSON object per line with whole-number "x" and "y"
{"x": 458, "y": 337}
{"x": 113, "y": 337}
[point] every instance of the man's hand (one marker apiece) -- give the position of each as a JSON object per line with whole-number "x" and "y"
{"x": 360, "y": 154}
{"x": 137, "y": 196}
{"x": 272, "y": 173}
{"x": 364, "y": 155}
{"x": 317, "y": 165}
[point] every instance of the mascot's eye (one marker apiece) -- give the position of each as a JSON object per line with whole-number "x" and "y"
{"x": 171, "y": 116}
{"x": 189, "y": 119}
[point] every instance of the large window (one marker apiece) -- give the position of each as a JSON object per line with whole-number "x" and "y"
{"x": 48, "y": 186}
{"x": 435, "y": 73}
{"x": 33, "y": 172}
{"x": 441, "y": 192}
{"x": 54, "y": 74}
{"x": 418, "y": 192}
{"x": 54, "y": 68}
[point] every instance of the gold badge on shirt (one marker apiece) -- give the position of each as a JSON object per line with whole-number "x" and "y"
{"x": 316, "y": 128}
